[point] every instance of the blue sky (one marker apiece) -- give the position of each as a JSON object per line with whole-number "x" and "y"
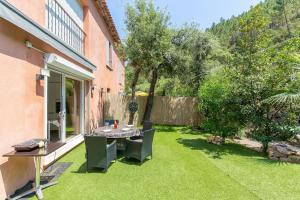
{"x": 203, "y": 12}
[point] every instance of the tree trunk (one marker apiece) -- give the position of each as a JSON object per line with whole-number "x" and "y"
{"x": 133, "y": 88}
{"x": 150, "y": 97}
{"x": 286, "y": 21}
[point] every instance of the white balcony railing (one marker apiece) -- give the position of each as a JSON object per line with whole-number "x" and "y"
{"x": 64, "y": 26}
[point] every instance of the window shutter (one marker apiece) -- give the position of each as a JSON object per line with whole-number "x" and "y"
{"x": 111, "y": 55}
{"x": 107, "y": 52}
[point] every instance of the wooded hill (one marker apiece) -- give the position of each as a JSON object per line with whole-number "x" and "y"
{"x": 283, "y": 17}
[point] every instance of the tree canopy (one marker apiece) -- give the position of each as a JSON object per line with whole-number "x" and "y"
{"x": 243, "y": 69}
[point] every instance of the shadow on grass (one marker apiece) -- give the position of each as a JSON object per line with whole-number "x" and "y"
{"x": 217, "y": 152}
{"x": 120, "y": 158}
{"x": 83, "y": 169}
{"x": 180, "y": 129}
{"x": 190, "y": 130}
{"x": 132, "y": 161}
{"x": 266, "y": 160}
{"x": 165, "y": 129}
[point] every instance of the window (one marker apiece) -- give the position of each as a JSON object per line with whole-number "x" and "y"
{"x": 75, "y": 9}
{"x": 109, "y": 49}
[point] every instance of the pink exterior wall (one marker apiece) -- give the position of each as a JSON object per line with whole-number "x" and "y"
{"x": 34, "y": 9}
{"x": 97, "y": 34}
{"x": 22, "y": 98}
{"x": 21, "y": 105}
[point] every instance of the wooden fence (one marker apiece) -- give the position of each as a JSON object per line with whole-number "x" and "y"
{"x": 166, "y": 110}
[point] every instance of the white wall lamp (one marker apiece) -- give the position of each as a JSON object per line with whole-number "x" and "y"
{"x": 43, "y": 73}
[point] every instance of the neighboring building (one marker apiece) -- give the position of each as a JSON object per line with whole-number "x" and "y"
{"x": 58, "y": 60}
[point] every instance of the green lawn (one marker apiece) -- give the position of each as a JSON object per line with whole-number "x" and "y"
{"x": 184, "y": 166}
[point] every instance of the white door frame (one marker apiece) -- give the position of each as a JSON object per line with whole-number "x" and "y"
{"x": 82, "y": 108}
{"x": 69, "y": 69}
{"x": 63, "y": 108}
{"x": 63, "y": 104}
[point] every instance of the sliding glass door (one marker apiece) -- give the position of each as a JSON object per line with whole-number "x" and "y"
{"x": 65, "y": 107}
{"x": 54, "y": 107}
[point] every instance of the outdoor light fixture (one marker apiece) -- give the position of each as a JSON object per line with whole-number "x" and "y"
{"x": 44, "y": 72}
{"x": 94, "y": 87}
{"x": 30, "y": 46}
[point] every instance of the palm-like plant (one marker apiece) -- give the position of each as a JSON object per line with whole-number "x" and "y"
{"x": 283, "y": 99}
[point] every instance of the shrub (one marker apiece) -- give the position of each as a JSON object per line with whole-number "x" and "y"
{"x": 218, "y": 106}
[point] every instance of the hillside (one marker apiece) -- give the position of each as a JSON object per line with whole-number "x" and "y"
{"x": 283, "y": 17}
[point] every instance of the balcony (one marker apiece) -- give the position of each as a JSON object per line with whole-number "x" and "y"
{"x": 64, "y": 26}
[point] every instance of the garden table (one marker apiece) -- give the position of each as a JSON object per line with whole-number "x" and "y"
{"x": 36, "y": 154}
{"x": 119, "y": 134}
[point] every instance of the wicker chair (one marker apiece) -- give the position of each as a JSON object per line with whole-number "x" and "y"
{"x": 147, "y": 125}
{"x": 140, "y": 148}
{"x": 98, "y": 153}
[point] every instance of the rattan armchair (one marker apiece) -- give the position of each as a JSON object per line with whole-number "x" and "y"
{"x": 140, "y": 149}
{"x": 99, "y": 153}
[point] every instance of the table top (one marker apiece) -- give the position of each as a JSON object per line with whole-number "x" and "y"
{"x": 44, "y": 151}
{"x": 117, "y": 133}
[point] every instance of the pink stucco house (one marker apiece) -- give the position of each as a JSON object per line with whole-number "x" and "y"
{"x": 58, "y": 60}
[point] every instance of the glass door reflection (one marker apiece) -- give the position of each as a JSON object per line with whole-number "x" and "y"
{"x": 73, "y": 107}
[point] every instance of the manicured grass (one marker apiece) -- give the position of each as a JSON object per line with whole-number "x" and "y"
{"x": 184, "y": 166}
